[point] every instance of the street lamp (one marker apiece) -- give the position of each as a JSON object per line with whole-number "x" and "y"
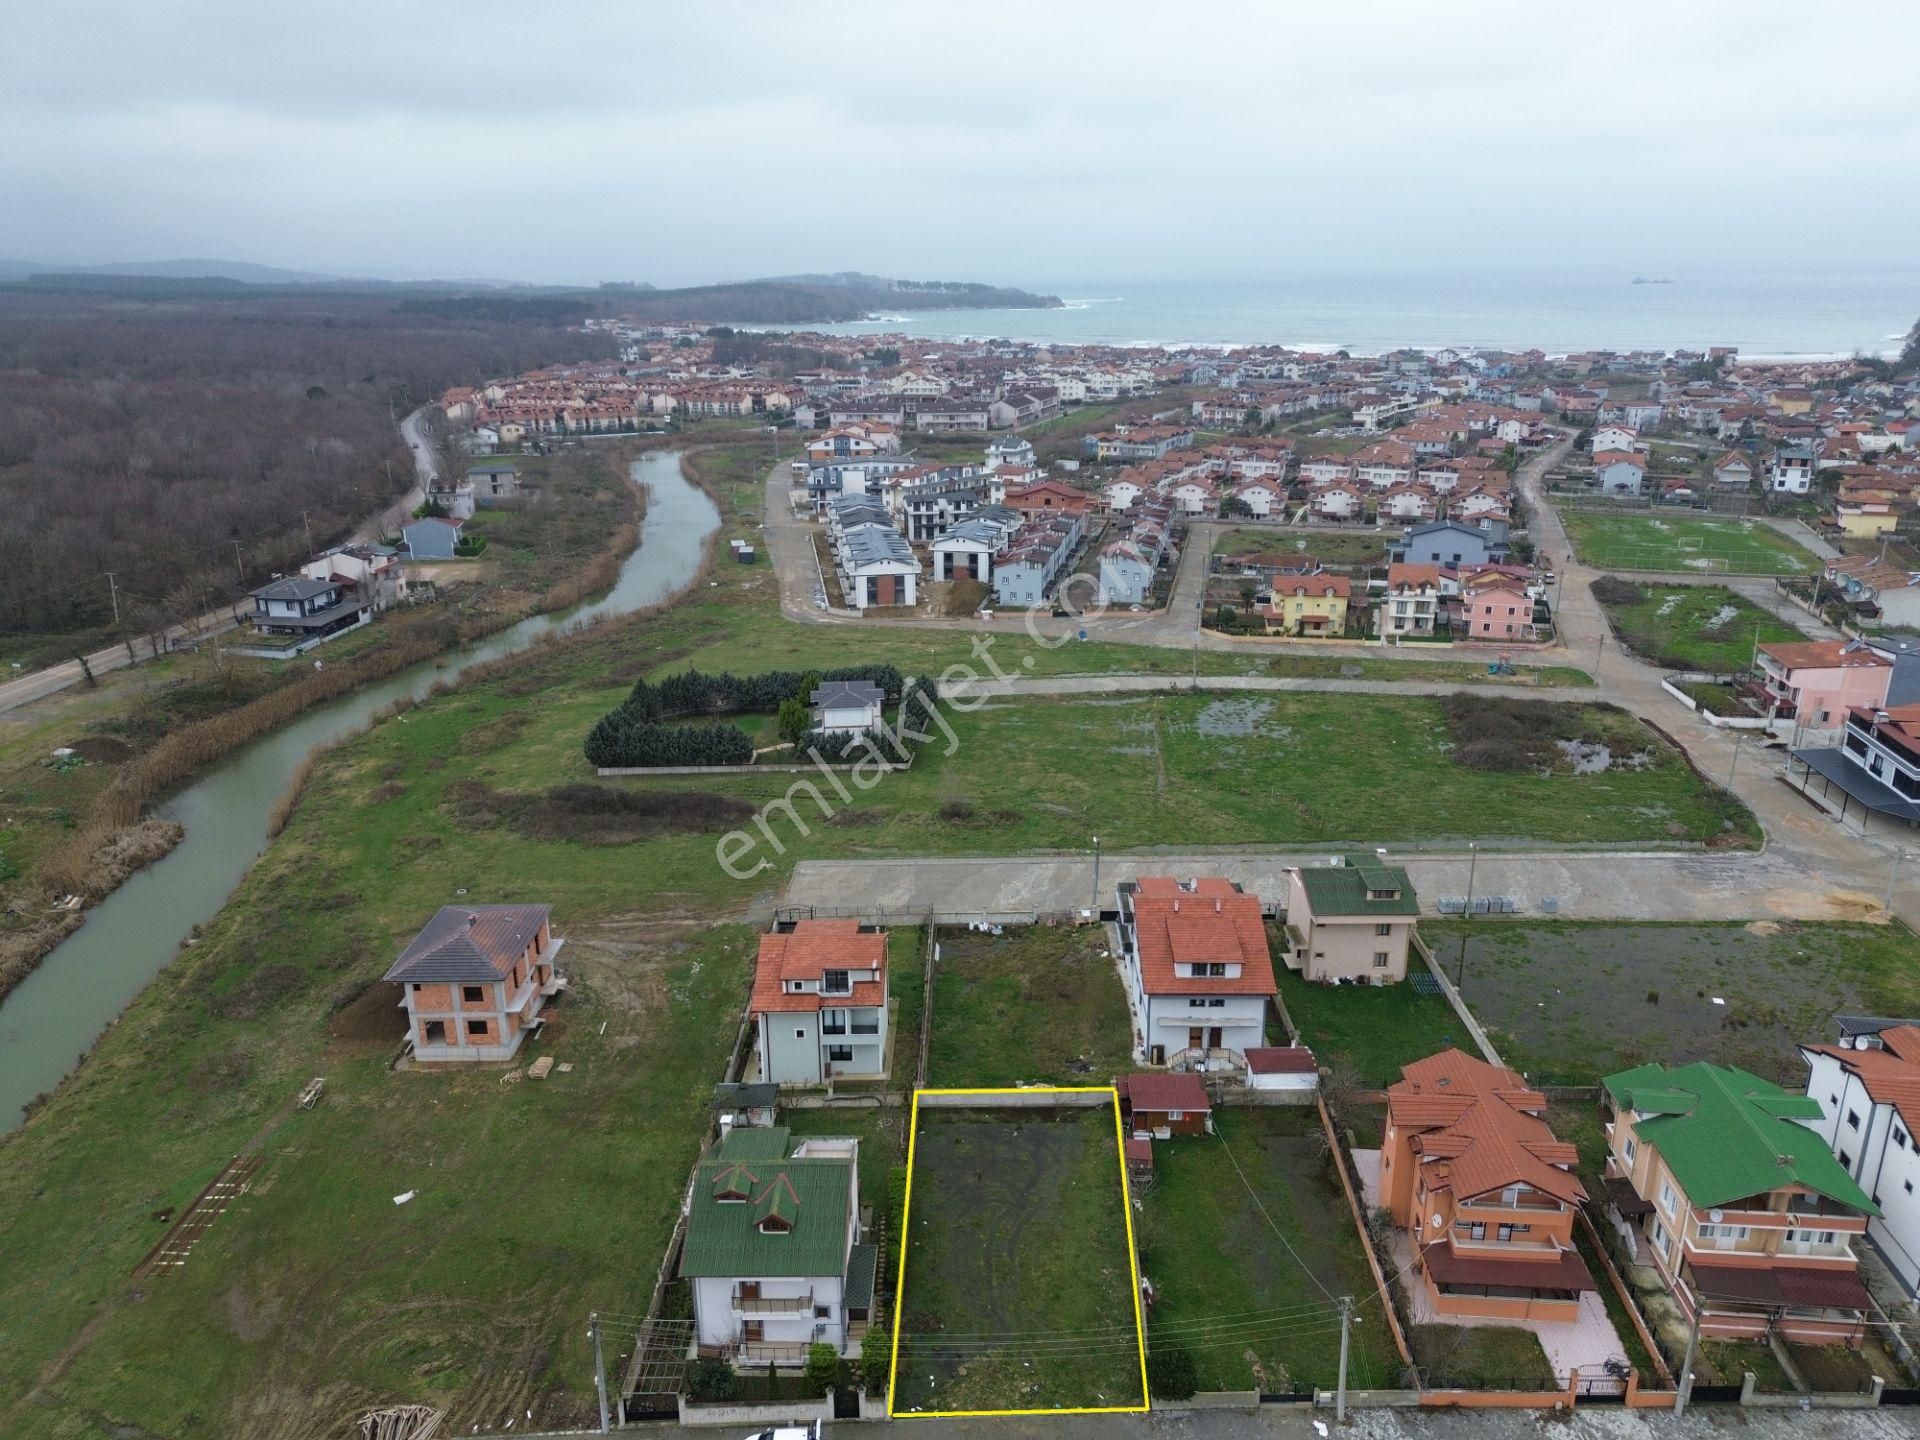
{"x": 1737, "y": 740}
{"x": 1893, "y": 871}
{"x": 1095, "y": 907}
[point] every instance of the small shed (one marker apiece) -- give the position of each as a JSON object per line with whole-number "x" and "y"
{"x": 1290, "y": 1067}
{"x": 746, "y": 1104}
{"x": 1139, "y": 1160}
{"x": 1164, "y": 1105}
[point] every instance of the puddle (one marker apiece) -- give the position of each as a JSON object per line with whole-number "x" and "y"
{"x": 1667, "y": 605}
{"x": 1721, "y": 617}
{"x": 1588, "y": 758}
{"x": 1239, "y": 718}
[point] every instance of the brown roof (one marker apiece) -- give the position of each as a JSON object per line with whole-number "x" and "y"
{"x": 1212, "y": 921}
{"x": 1779, "y": 1286}
{"x": 807, "y": 951}
{"x": 1157, "y": 1092}
{"x": 1822, "y": 655}
{"x": 469, "y": 942}
{"x": 1891, "y": 1076}
{"x": 1476, "y": 1130}
{"x": 1281, "y": 1060}
{"x": 1567, "y": 1271}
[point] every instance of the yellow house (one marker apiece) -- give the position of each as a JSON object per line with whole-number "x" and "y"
{"x": 1865, "y": 519}
{"x": 1308, "y": 605}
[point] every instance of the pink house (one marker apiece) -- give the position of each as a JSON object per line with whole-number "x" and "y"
{"x": 1815, "y": 682}
{"x": 1501, "y": 612}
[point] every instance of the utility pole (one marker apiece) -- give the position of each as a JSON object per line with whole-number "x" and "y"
{"x": 1686, "y": 1365}
{"x": 307, "y": 520}
{"x": 1096, "y": 877}
{"x": 113, "y": 589}
{"x": 599, "y": 1368}
{"x": 1340, "y": 1395}
{"x": 1600, "y": 648}
{"x": 1460, "y": 966}
{"x": 239, "y": 565}
{"x": 1736, "y": 759}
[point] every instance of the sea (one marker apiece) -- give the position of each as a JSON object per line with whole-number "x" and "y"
{"x": 1766, "y": 314}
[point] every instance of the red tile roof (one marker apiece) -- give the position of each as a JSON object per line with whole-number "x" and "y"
{"x": 1822, "y": 655}
{"x": 1477, "y": 1132}
{"x": 1211, "y": 921}
{"x": 1281, "y": 1060}
{"x": 1157, "y": 1092}
{"x": 808, "y": 950}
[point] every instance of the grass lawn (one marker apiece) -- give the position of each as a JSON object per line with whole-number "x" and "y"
{"x": 1482, "y": 1357}
{"x": 1723, "y": 1362}
{"x": 1332, "y": 548}
{"x": 1018, "y": 1241}
{"x": 1569, "y": 1001}
{"x": 1206, "y": 1231}
{"x": 1037, "y": 1003}
{"x": 1691, "y": 627}
{"x": 1609, "y": 541}
{"x": 1373, "y": 1029}
{"x": 1460, "y": 672}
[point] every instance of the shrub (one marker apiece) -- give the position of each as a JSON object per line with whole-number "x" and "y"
{"x": 1170, "y": 1373}
{"x": 1613, "y": 591}
{"x": 823, "y": 1368}
{"x": 712, "y": 1380}
{"x": 876, "y": 1354}
{"x": 793, "y": 720}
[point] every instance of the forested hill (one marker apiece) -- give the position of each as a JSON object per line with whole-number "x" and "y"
{"x": 800, "y": 300}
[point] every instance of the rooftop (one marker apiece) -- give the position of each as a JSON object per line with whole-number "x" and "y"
{"x": 469, "y": 942}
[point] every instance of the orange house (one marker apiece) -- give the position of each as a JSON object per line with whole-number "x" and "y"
{"x": 1486, "y": 1191}
{"x": 475, "y": 980}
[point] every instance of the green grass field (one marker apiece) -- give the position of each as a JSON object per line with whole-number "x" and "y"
{"x": 1374, "y": 1030}
{"x": 1334, "y": 549}
{"x": 1692, "y": 627}
{"x": 1250, "y": 1223}
{"x": 1035, "y": 1004}
{"x": 1610, "y": 541}
{"x": 1018, "y": 1241}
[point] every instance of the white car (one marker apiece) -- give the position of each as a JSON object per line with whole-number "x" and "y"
{"x": 789, "y": 1432}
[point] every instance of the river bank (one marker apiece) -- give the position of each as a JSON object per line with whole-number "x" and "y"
{"x": 136, "y": 929}
{"x": 116, "y": 836}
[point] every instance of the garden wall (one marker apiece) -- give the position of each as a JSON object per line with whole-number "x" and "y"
{"x": 1671, "y": 684}
{"x": 786, "y": 1412}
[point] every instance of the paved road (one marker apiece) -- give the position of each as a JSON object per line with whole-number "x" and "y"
{"x": 1298, "y": 1422}
{"x": 426, "y": 467}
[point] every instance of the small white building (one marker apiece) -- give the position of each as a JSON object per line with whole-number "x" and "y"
{"x": 846, "y": 707}
{"x": 1290, "y": 1068}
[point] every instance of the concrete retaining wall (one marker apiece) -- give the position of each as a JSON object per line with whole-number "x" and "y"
{"x": 1718, "y": 722}
{"x": 787, "y": 1412}
{"x": 1214, "y": 1400}
{"x": 1370, "y": 1399}
{"x": 1017, "y": 1100}
{"x": 1752, "y": 1398}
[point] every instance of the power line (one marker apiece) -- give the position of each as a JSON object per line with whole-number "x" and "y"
{"x": 1261, "y": 1207}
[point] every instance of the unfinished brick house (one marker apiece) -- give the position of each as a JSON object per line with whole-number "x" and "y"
{"x": 475, "y": 980}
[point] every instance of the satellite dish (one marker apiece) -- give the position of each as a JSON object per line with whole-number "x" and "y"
{"x": 1714, "y": 1215}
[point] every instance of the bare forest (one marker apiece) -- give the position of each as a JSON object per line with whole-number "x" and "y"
{"x": 192, "y": 445}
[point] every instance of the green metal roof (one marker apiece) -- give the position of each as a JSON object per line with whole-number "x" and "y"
{"x": 1344, "y": 889}
{"x": 1726, "y": 1134}
{"x": 862, "y": 1262}
{"x": 811, "y": 1195}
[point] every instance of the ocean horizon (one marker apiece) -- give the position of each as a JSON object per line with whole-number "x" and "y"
{"x": 1766, "y": 314}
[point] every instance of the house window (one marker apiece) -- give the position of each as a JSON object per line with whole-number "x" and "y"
{"x": 1382, "y": 928}
{"x": 799, "y": 1034}
{"x": 1196, "y": 1003}
{"x": 1628, "y": 1149}
{"x": 1846, "y": 1161}
{"x": 1216, "y": 1004}
{"x": 416, "y": 989}
{"x": 1908, "y": 1185}
{"x": 840, "y": 1054}
{"x": 1379, "y": 959}
{"x": 1667, "y": 1198}
{"x": 476, "y": 1027}
{"x": 1899, "y": 1137}
{"x": 823, "y": 1312}
{"x": 472, "y": 994}
{"x": 835, "y": 982}
{"x": 1213, "y": 969}
{"x": 1853, "y": 1120}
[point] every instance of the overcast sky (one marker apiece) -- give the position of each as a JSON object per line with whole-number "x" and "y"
{"x": 1039, "y": 142}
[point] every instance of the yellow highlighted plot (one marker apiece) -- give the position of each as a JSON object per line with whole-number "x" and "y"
{"x": 986, "y": 1096}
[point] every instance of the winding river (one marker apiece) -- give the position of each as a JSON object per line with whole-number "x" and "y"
{"x": 56, "y": 1014}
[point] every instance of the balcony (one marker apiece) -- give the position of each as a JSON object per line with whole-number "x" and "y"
{"x": 781, "y": 1305}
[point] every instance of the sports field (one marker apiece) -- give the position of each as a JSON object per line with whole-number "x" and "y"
{"x": 1717, "y": 545}
{"x": 1017, "y": 1292}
